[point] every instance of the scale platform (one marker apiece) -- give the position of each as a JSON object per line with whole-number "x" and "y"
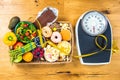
{"x": 86, "y": 44}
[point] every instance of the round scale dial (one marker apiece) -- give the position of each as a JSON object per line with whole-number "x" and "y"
{"x": 94, "y": 23}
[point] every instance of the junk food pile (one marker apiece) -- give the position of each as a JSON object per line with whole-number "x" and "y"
{"x": 45, "y": 40}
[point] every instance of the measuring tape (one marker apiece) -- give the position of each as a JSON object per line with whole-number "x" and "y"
{"x": 98, "y": 45}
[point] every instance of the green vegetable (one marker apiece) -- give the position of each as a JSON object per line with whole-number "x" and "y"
{"x": 15, "y": 55}
{"x": 13, "y": 22}
{"x": 18, "y": 59}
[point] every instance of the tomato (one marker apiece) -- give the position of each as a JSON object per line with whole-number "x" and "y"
{"x": 21, "y": 37}
{"x": 18, "y": 45}
{"x": 27, "y": 33}
{"x": 25, "y": 25}
{"x": 34, "y": 34}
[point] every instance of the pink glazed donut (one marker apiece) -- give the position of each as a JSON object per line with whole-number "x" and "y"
{"x": 56, "y": 37}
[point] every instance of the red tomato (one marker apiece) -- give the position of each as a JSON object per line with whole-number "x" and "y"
{"x": 34, "y": 34}
{"x": 18, "y": 45}
{"x": 27, "y": 33}
{"x": 21, "y": 37}
{"x": 25, "y": 25}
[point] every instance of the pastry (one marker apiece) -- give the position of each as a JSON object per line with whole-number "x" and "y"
{"x": 46, "y": 31}
{"x": 56, "y": 37}
{"x": 55, "y": 26}
{"x": 65, "y": 26}
{"x": 66, "y": 35}
{"x": 62, "y": 57}
{"x": 51, "y": 54}
{"x": 65, "y": 47}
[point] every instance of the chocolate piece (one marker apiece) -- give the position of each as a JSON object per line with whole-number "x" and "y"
{"x": 46, "y": 17}
{"x": 56, "y": 25}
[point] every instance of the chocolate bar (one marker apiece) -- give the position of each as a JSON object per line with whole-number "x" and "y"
{"x": 46, "y": 17}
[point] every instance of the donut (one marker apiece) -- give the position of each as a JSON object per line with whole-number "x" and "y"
{"x": 66, "y": 35}
{"x": 46, "y": 31}
{"x": 51, "y": 54}
{"x": 56, "y": 37}
{"x": 64, "y": 46}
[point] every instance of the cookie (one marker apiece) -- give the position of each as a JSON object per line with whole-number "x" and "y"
{"x": 55, "y": 26}
{"x": 51, "y": 54}
{"x": 65, "y": 47}
{"x": 65, "y": 26}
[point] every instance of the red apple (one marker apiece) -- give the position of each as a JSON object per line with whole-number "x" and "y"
{"x": 18, "y": 45}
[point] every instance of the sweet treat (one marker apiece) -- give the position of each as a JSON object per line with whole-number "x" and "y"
{"x": 62, "y": 57}
{"x": 56, "y": 37}
{"x": 65, "y": 47}
{"x": 25, "y": 31}
{"x": 10, "y": 39}
{"x": 46, "y": 31}
{"x": 66, "y": 35}
{"x": 51, "y": 54}
{"x": 46, "y": 16}
{"x": 55, "y": 26}
{"x": 38, "y": 52}
{"x": 65, "y": 26}
{"x": 27, "y": 57}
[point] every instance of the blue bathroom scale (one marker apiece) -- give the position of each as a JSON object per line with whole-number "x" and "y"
{"x": 88, "y": 27}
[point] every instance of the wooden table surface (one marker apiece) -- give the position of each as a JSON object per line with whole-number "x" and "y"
{"x": 69, "y": 10}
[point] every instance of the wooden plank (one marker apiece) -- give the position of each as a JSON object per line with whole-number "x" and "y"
{"x": 27, "y": 76}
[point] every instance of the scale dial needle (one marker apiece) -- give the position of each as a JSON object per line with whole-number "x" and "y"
{"x": 93, "y": 29}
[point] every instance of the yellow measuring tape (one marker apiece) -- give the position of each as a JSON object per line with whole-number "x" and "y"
{"x": 114, "y": 49}
{"x": 40, "y": 34}
{"x": 97, "y": 44}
